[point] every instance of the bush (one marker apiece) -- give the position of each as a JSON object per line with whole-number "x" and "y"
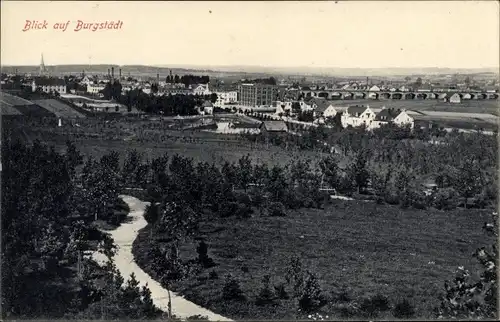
{"x": 403, "y": 310}
{"x": 370, "y": 307}
{"x": 213, "y": 275}
{"x": 243, "y": 210}
{"x": 232, "y": 290}
{"x": 266, "y": 295}
{"x": 445, "y": 199}
{"x": 293, "y": 199}
{"x": 203, "y": 257}
{"x": 342, "y": 296}
{"x": 276, "y": 209}
{"x": 197, "y": 317}
{"x": 280, "y": 291}
{"x": 312, "y": 298}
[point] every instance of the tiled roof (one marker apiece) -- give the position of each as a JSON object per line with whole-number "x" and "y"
{"x": 354, "y": 110}
{"x": 387, "y": 114}
{"x": 274, "y": 126}
{"x": 41, "y": 81}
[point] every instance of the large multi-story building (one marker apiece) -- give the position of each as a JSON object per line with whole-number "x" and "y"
{"x": 256, "y": 95}
{"x": 49, "y": 85}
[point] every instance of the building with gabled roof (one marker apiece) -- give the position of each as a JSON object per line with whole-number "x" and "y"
{"x": 357, "y": 116}
{"x": 398, "y": 117}
{"x": 49, "y": 84}
{"x": 273, "y": 127}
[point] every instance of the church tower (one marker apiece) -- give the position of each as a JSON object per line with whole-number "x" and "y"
{"x": 43, "y": 70}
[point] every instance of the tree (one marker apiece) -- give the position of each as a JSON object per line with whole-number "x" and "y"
{"x": 244, "y": 171}
{"x": 331, "y": 171}
{"x": 359, "y": 172}
{"x": 469, "y": 182}
{"x": 213, "y": 97}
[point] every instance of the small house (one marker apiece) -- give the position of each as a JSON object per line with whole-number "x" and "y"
{"x": 276, "y": 127}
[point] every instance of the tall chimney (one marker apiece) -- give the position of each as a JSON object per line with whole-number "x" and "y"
{"x": 109, "y": 73}
{"x": 157, "y": 78}
{"x": 120, "y": 71}
{"x": 112, "y": 73}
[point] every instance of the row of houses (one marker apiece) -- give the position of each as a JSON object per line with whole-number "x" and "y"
{"x": 358, "y": 115}
{"x": 426, "y": 87}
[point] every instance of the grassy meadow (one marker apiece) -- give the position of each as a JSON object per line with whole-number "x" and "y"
{"x": 358, "y": 247}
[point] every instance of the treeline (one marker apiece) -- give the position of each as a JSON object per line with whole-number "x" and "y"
{"x": 265, "y": 81}
{"x": 399, "y": 161}
{"x": 49, "y": 214}
{"x": 187, "y": 79}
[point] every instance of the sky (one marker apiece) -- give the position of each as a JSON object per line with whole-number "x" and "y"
{"x": 375, "y": 34}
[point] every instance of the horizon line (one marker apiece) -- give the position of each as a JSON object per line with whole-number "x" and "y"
{"x": 249, "y": 66}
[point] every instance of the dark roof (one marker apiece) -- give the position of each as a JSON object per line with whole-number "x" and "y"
{"x": 322, "y": 105}
{"x": 207, "y": 104}
{"x": 246, "y": 125}
{"x": 274, "y": 126}
{"x": 353, "y": 110}
{"x": 387, "y": 114}
{"x": 41, "y": 81}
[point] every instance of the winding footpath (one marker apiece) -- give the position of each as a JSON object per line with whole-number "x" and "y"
{"x": 123, "y": 237}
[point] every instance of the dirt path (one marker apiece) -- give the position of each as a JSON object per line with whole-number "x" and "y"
{"x": 124, "y": 236}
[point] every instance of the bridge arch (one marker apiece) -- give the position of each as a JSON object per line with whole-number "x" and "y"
{"x": 409, "y": 96}
{"x": 397, "y": 96}
{"x": 360, "y": 95}
{"x": 421, "y": 96}
{"x": 385, "y": 95}
{"x": 482, "y": 96}
{"x": 323, "y": 94}
{"x": 493, "y": 96}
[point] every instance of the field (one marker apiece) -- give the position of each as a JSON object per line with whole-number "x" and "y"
{"x": 99, "y": 138}
{"x": 9, "y": 110}
{"x": 58, "y": 108}
{"x": 11, "y": 100}
{"x": 360, "y": 247}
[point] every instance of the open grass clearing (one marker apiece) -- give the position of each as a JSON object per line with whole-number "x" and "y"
{"x": 364, "y": 247}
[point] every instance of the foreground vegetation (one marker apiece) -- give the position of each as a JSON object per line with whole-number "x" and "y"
{"x": 255, "y": 239}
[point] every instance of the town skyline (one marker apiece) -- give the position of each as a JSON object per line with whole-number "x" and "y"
{"x": 272, "y": 35}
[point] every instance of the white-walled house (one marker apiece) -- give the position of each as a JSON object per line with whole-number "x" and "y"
{"x": 374, "y": 88}
{"x": 324, "y": 109}
{"x": 224, "y": 98}
{"x": 201, "y": 89}
{"x": 395, "y": 116}
{"x": 357, "y": 116}
{"x": 207, "y": 108}
{"x": 48, "y": 85}
{"x": 95, "y": 88}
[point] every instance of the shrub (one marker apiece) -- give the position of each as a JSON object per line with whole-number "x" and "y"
{"x": 203, "y": 257}
{"x": 266, "y": 295}
{"x": 295, "y": 275}
{"x": 213, "y": 275}
{"x": 280, "y": 291}
{"x": 293, "y": 199}
{"x": 276, "y": 209}
{"x": 243, "y": 210}
{"x": 312, "y": 297}
{"x": 197, "y": 317}
{"x": 232, "y": 290}
{"x": 342, "y": 296}
{"x": 381, "y": 302}
{"x": 403, "y": 310}
{"x": 445, "y": 199}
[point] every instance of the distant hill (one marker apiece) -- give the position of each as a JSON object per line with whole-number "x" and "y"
{"x": 254, "y": 71}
